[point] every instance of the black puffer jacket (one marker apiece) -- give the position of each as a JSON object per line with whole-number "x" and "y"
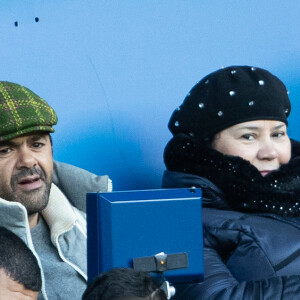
{"x": 247, "y": 255}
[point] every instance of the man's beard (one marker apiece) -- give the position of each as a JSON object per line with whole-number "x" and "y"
{"x": 34, "y": 200}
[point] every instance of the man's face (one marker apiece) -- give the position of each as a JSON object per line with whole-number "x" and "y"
{"x": 26, "y": 167}
{"x": 13, "y": 290}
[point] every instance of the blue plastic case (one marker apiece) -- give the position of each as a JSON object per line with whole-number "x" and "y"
{"x": 122, "y": 226}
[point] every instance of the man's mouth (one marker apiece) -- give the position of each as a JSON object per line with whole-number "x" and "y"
{"x": 29, "y": 183}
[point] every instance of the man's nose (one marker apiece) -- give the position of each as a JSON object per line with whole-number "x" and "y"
{"x": 26, "y": 158}
{"x": 267, "y": 150}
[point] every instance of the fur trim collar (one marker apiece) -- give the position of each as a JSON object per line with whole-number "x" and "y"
{"x": 242, "y": 184}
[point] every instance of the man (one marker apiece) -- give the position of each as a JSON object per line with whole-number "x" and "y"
{"x": 40, "y": 201}
{"x": 124, "y": 284}
{"x": 20, "y": 276}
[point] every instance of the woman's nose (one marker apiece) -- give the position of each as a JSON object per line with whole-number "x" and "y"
{"x": 267, "y": 150}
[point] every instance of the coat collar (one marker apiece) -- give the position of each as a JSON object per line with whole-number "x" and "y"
{"x": 243, "y": 186}
{"x": 59, "y": 215}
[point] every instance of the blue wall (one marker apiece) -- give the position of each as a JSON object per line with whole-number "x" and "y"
{"x": 115, "y": 70}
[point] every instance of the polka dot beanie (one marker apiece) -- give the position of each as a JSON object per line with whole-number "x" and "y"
{"x": 230, "y": 96}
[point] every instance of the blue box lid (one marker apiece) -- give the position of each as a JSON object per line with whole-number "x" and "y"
{"x": 134, "y": 224}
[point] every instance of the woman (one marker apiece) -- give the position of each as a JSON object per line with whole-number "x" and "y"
{"x": 230, "y": 139}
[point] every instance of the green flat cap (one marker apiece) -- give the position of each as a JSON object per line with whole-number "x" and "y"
{"x": 22, "y": 111}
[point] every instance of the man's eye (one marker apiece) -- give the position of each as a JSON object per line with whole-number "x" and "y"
{"x": 5, "y": 150}
{"x": 37, "y": 145}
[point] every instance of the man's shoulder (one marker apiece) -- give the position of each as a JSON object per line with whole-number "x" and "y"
{"x": 75, "y": 182}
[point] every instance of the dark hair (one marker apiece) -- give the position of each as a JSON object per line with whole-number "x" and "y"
{"x": 123, "y": 282}
{"x": 51, "y": 141}
{"x": 18, "y": 262}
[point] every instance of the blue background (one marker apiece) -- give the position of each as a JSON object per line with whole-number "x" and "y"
{"x": 115, "y": 70}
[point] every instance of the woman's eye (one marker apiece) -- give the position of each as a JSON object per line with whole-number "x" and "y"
{"x": 278, "y": 134}
{"x": 248, "y": 137}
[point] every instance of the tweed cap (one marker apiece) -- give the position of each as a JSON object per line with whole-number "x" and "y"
{"x": 22, "y": 111}
{"x": 230, "y": 96}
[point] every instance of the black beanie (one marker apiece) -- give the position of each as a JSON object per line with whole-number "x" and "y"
{"x": 230, "y": 96}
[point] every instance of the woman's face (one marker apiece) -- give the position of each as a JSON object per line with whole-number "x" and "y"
{"x": 265, "y": 144}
